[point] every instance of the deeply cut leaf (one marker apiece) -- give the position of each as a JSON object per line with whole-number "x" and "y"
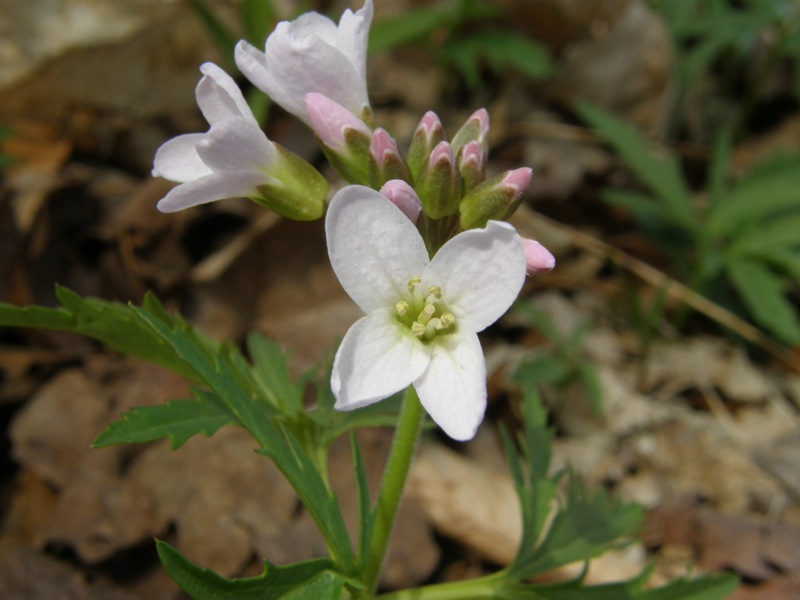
{"x": 177, "y": 420}
{"x": 311, "y": 580}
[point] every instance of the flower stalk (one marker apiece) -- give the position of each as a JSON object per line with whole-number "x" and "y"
{"x": 405, "y": 442}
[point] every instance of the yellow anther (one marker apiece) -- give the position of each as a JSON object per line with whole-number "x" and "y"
{"x": 448, "y": 320}
{"x": 418, "y": 329}
{"x": 435, "y": 291}
{"x": 402, "y": 307}
{"x": 427, "y": 312}
{"x": 412, "y": 283}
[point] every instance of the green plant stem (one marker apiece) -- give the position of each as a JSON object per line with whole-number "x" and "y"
{"x": 406, "y": 437}
{"x": 470, "y": 589}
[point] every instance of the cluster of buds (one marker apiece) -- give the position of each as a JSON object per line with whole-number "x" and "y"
{"x": 441, "y": 185}
{"x": 316, "y": 70}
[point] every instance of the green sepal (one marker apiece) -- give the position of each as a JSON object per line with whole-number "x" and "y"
{"x": 299, "y": 190}
{"x": 439, "y": 184}
{"x": 422, "y": 144}
{"x": 309, "y": 580}
{"x": 353, "y": 164}
{"x": 177, "y": 420}
{"x": 490, "y": 200}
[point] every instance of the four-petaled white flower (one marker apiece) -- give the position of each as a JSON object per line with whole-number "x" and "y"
{"x": 422, "y": 315}
{"x": 234, "y": 158}
{"x": 312, "y": 54}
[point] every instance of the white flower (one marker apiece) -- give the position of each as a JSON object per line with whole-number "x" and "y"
{"x": 235, "y": 158}
{"x": 312, "y": 54}
{"x": 422, "y": 315}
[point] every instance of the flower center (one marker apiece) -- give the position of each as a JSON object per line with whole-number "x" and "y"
{"x": 424, "y": 313}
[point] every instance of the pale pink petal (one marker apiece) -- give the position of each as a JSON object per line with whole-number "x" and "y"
{"x": 236, "y": 144}
{"x": 373, "y": 247}
{"x": 352, "y": 37}
{"x": 480, "y": 272}
{"x": 177, "y": 159}
{"x": 377, "y": 358}
{"x": 453, "y": 388}
{"x": 216, "y": 186}
{"x": 219, "y": 97}
{"x": 253, "y": 64}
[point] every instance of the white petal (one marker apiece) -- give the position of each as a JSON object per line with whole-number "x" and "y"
{"x": 218, "y": 96}
{"x": 453, "y": 388}
{"x": 308, "y": 24}
{"x": 216, "y": 186}
{"x": 253, "y": 63}
{"x": 236, "y": 144}
{"x": 374, "y": 249}
{"x": 377, "y": 358}
{"x": 353, "y": 36}
{"x": 177, "y": 159}
{"x": 310, "y": 64}
{"x": 481, "y": 272}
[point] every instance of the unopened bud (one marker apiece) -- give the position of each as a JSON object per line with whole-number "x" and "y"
{"x": 403, "y": 197}
{"x": 471, "y": 165}
{"x": 385, "y": 162}
{"x": 439, "y": 183}
{"x": 475, "y": 129}
{"x": 344, "y": 137}
{"x": 429, "y": 132}
{"x": 538, "y": 259}
{"x": 494, "y": 199}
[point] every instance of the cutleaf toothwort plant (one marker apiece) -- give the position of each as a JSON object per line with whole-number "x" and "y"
{"x": 422, "y": 246}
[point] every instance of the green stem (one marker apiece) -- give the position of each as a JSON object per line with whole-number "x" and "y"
{"x": 406, "y": 436}
{"x": 471, "y": 589}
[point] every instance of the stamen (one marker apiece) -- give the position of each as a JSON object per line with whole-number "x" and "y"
{"x": 412, "y": 283}
{"x": 418, "y": 329}
{"x": 435, "y": 291}
{"x": 427, "y": 312}
{"x": 446, "y": 321}
{"x": 431, "y": 328}
{"x": 402, "y": 307}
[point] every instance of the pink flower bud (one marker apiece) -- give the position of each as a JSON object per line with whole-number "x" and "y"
{"x": 518, "y": 179}
{"x": 430, "y": 126}
{"x": 442, "y": 153}
{"x": 537, "y": 258}
{"x": 331, "y": 121}
{"x": 383, "y": 147}
{"x": 403, "y": 197}
{"x": 475, "y": 129}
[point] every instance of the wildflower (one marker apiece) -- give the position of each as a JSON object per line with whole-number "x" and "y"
{"x": 235, "y": 159}
{"x": 312, "y": 54}
{"x": 422, "y": 315}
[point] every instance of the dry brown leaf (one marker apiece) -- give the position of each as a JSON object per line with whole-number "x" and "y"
{"x": 467, "y": 501}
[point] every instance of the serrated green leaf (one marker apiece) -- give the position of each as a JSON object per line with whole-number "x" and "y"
{"x": 659, "y": 173}
{"x": 536, "y": 489}
{"x": 311, "y": 580}
{"x": 587, "y": 526}
{"x": 293, "y": 461}
{"x": 177, "y": 420}
{"x": 271, "y": 371}
{"x": 116, "y": 325}
{"x": 762, "y": 292}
